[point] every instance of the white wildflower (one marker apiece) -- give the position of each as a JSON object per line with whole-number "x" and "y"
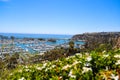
{"x": 87, "y": 64}
{"x": 22, "y": 78}
{"x": 44, "y": 65}
{"x": 117, "y": 56}
{"x": 118, "y": 62}
{"x": 60, "y": 77}
{"x": 71, "y": 74}
{"x": 105, "y": 55}
{"x": 39, "y": 68}
{"x": 104, "y": 51}
{"x": 68, "y": 57}
{"x": 26, "y": 66}
{"x": 89, "y": 58}
{"x": 53, "y": 66}
{"x": 57, "y": 60}
{"x": 65, "y": 67}
{"x": 106, "y": 68}
{"x": 104, "y": 77}
{"x": 46, "y": 69}
{"x": 11, "y": 73}
{"x": 87, "y": 54}
{"x": 27, "y": 69}
{"x": 114, "y": 77}
{"x": 85, "y": 69}
{"x": 76, "y": 62}
{"x": 79, "y": 54}
{"x": 20, "y": 70}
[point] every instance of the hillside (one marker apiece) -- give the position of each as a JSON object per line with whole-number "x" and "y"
{"x": 82, "y": 66}
{"x": 84, "y": 36}
{"x": 93, "y": 40}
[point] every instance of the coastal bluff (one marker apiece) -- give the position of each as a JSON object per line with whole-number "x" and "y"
{"x": 95, "y": 39}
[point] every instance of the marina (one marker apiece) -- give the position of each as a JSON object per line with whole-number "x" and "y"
{"x": 23, "y": 43}
{"x": 30, "y": 46}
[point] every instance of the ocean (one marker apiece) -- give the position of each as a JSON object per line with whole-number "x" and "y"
{"x": 20, "y": 35}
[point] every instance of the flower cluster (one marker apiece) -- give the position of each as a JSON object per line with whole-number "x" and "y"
{"x": 77, "y": 67}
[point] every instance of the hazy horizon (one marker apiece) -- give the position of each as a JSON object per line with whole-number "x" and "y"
{"x": 53, "y": 33}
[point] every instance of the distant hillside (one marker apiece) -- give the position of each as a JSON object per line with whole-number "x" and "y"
{"x": 95, "y": 39}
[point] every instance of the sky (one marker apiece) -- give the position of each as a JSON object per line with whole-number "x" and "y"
{"x": 59, "y": 16}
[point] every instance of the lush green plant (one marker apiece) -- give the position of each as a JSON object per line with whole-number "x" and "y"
{"x": 71, "y": 68}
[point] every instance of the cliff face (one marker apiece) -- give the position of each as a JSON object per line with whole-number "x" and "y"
{"x": 85, "y": 36}
{"x": 95, "y": 39}
{"x": 118, "y": 43}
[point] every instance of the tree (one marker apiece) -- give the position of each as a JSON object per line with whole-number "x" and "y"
{"x": 12, "y": 61}
{"x": 71, "y": 50}
{"x": 12, "y": 37}
{"x": 71, "y": 44}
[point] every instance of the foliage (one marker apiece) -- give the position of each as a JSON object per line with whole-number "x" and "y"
{"x": 101, "y": 65}
{"x": 102, "y": 61}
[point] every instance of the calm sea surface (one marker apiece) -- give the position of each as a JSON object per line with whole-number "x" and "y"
{"x": 17, "y": 35}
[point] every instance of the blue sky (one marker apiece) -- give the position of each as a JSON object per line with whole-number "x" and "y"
{"x": 59, "y": 16}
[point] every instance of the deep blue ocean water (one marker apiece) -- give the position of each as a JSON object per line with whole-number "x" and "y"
{"x": 18, "y": 35}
